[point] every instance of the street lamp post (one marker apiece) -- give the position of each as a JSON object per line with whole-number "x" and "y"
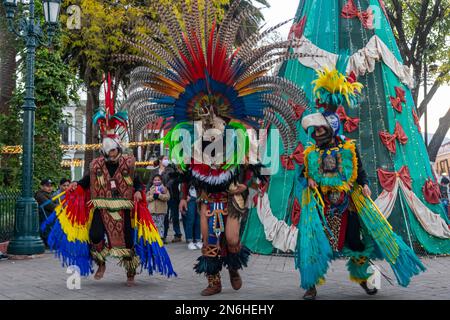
{"x": 26, "y": 240}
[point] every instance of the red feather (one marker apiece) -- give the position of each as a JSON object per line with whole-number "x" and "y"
{"x": 230, "y": 74}
{"x": 190, "y": 74}
{"x": 77, "y": 205}
{"x": 209, "y": 52}
{"x": 196, "y": 64}
{"x": 200, "y": 54}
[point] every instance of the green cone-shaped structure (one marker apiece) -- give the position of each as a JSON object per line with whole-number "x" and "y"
{"x": 384, "y": 124}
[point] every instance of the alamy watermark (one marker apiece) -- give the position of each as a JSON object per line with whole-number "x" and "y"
{"x": 73, "y": 281}
{"x": 374, "y": 281}
{"x": 217, "y": 147}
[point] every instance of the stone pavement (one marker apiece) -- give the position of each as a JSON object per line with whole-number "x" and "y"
{"x": 267, "y": 277}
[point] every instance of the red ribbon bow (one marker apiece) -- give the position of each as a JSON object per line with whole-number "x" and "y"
{"x": 262, "y": 188}
{"x": 351, "y": 124}
{"x": 298, "y": 109}
{"x": 288, "y": 161}
{"x": 297, "y": 29}
{"x": 400, "y": 94}
{"x": 416, "y": 120}
{"x": 431, "y": 191}
{"x": 387, "y": 179}
{"x": 389, "y": 139}
{"x": 295, "y": 214}
{"x": 397, "y": 101}
{"x": 321, "y": 105}
{"x": 351, "y": 11}
{"x": 351, "y": 77}
{"x": 396, "y": 104}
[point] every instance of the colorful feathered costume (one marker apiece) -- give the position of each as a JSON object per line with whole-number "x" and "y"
{"x": 100, "y": 217}
{"x": 337, "y": 219}
{"x": 194, "y": 72}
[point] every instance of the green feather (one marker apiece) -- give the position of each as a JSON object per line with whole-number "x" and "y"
{"x": 239, "y": 153}
{"x": 171, "y": 142}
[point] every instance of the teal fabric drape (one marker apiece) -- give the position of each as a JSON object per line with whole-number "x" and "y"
{"x": 328, "y": 30}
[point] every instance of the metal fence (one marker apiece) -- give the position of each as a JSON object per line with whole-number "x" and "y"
{"x": 7, "y": 213}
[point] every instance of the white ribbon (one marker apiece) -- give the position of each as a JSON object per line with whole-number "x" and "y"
{"x": 431, "y": 222}
{"x": 282, "y": 236}
{"x": 361, "y": 62}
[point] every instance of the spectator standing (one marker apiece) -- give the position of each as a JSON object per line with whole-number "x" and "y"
{"x": 64, "y": 184}
{"x": 171, "y": 179}
{"x": 192, "y": 221}
{"x": 157, "y": 198}
{"x": 46, "y": 206}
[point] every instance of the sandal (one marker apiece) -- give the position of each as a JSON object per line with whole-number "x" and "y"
{"x": 310, "y": 294}
{"x": 370, "y": 292}
{"x": 100, "y": 272}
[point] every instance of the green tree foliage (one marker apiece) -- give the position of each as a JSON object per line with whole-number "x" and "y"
{"x": 251, "y": 24}
{"x": 104, "y": 24}
{"x": 55, "y": 87}
{"x": 90, "y": 50}
{"x": 421, "y": 30}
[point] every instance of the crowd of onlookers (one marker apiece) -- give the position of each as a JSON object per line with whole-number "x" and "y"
{"x": 163, "y": 196}
{"x": 46, "y": 204}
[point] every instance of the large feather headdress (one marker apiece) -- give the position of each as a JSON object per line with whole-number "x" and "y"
{"x": 194, "y": 66}
{"x": 110, "y": 121}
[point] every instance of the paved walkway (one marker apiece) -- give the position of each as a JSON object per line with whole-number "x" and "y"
{"x": 267, "y": 277}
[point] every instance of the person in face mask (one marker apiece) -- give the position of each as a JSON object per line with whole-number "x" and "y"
{"x": 334, "y": 173}
{"x": 100, "y": 208}
{"x": 157, "y": 196}
{"x": 165, "y": 162}
{"x": 170, "y": 179}
{"x": 111, "y": 179}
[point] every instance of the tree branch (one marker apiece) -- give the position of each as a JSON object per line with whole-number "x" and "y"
{"x": 436, "y": 85}
{"x": 419, "y": 33}
{"x": 439, "y": 136}
{"x": 397, "y": 24}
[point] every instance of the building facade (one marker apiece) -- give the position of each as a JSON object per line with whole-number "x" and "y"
{"x": 442, "y": 164}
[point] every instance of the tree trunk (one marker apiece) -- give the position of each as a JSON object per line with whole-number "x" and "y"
{"x": 7, "y": 64}
{"x": 439, "y": 136}
{"x": 92, "y": 103}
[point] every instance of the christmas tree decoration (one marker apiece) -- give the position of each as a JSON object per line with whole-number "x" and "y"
{"x": 351, "y": 41}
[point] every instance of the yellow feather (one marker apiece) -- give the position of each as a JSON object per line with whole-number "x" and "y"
{"x": 249, "y": 79}
{"x": 247, "y": 91}
{"x": 172, "y": 83}
{"x": 333, "y": 81}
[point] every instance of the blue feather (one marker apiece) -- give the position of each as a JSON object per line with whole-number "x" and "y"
{"x": 153, "y": 257}
{"x": 70, "y": 253}
{"x": 314, "y": 252}
{"x": 100, "y": 114}
{"x": 164, "y": 100}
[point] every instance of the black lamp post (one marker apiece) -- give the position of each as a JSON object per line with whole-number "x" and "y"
{"x": 26, "y": 240}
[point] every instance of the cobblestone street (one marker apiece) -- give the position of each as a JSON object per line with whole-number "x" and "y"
{"x": 267, "y": 277}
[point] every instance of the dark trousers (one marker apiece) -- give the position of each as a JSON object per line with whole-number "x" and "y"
{"x": 192, "y": 221}
{"x": 173, "y": 213}
{"x": 353, "y": 233}
{"x": 43, "y": 216}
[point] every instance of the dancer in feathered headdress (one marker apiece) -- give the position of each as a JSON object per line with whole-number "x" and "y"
{"x": 105, "y": 213}
{"x": 338, "y": 217}
{"x": 193, "y": 72}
